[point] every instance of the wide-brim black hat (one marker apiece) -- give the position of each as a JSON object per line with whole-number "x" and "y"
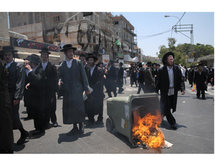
{"x": 34, "y": 59}
{"x": 166, "y": 55}
{"x": 90, "y": 55}
{"x": 67, "y": 47}
{"x": 45, "y": 50}
{"x": 8, "y": 49}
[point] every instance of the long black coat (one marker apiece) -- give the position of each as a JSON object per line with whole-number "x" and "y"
{"x": 40, "y": 96}
{"x": 94, "y": 103}
{"x": 50, "y": 81}
{"x": 111, "y": 78}
{"x": 16, "y": 83}
{"x": 75, "y": 83}
{"x": 200, "y": 79}
{"x": 163, "y": 86}
{"x": 149, "y": 81}
{"x": 6, "y": 124}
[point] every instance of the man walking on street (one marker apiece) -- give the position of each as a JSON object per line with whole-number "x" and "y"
{"x": 200, "y": 79}
{"x": 16, "y": 81}
{"x": 120, "y": 77}
{"x": 50, "y": 78}
{"x": 141, "y": 78}
{"x": 111, "y": 79}
{"x": 72, "y": 74}
{"x": 40, "y": 102}
{"x": 169, "y": 83}
{"x": 6, "y": 124}
{"x": 94, "y": 103}
{"x": 148, "y": 79}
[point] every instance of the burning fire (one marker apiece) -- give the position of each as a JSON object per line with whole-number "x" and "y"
{"x": 147, "y": 130}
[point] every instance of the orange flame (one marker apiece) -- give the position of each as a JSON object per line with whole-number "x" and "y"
{"x": 147, "y": 130}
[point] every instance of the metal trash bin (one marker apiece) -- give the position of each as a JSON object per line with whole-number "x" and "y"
{"x": 120, "y": 112}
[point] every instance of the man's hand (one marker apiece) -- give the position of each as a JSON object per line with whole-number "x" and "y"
{"x": 183, "y": 92}
{"x": 28, "y": 67}
{"x": 27, "y": 85}
{"x": 87, "y": 92}
{"x": 15, "y": 102}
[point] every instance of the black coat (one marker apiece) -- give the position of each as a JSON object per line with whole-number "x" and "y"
{"x": 6, "y": 125}
{"x": 149, "y": 81}
{"x": 50, "y": 79}
{"x": 16, "y": 81}
{"x": 200, "y": 79}
{"x": 141, "y": 76}
{"x": 163, "y": 85}
{"x": 40, "y": 96}
{"x": 94, "y": 103}
{"x": 75, "y": 83}
{"x": 111, "y": 78}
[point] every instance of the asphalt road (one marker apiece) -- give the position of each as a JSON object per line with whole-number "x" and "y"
{"x": 195, "y": 133}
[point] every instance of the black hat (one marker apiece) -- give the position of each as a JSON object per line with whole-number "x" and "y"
{"x": 67, "y": 47}
{"x": 8, "y": 49}
{"x": 90, "y": 55}
{"x": 164, "y": 59}
{"x": 45, "y": 49}
{"x": 149, "y": 63}
{"x": 28, "y": 58}
{"x": 34, "y": 59}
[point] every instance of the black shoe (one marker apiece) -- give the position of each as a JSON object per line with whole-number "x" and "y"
{"x": 203, "y": 98}
{"x": 22, "y": 138}
{"x": 174, "y": 127}
{"x": 74, "y": 131}
{"x": 38, "y": 133}
{"x": 55, "y": 124}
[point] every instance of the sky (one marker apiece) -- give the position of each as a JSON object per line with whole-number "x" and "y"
{"x": 148, "y": 23}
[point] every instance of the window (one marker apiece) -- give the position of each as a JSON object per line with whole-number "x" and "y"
{"x": 56, "y": 18}
{"x": 76, "y": 17}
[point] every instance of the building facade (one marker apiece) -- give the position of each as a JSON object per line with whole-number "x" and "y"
{"x": 98, "y": 32}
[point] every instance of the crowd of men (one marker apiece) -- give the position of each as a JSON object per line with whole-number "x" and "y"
{"x": 81, "y": 81}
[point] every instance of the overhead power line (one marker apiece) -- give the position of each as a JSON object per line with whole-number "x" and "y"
{"x": 154, "y": 35}
{"x": 181, "y": 18}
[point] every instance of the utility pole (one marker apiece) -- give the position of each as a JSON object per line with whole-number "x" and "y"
{"x": 185, "y": 28}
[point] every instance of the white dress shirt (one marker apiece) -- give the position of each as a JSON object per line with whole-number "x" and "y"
{"x": 91, "y": 70}
{"x": 8, "y": 65}
{"x": 69, "y": 63}
{"x": 171, "y": 80}
{"x": 44, "y": 65}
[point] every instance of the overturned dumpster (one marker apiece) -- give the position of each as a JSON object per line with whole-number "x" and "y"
{"x": 138, "y": 118}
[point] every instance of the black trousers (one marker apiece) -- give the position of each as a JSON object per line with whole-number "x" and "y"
{"x": 111, "y": 87}
{"x": 141, "y": 86}
{"x": 167, "y": 103}
{"x": 199, "y": 92}
{"x": 16, "y": 119}
{"x": 40, "y": 119}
